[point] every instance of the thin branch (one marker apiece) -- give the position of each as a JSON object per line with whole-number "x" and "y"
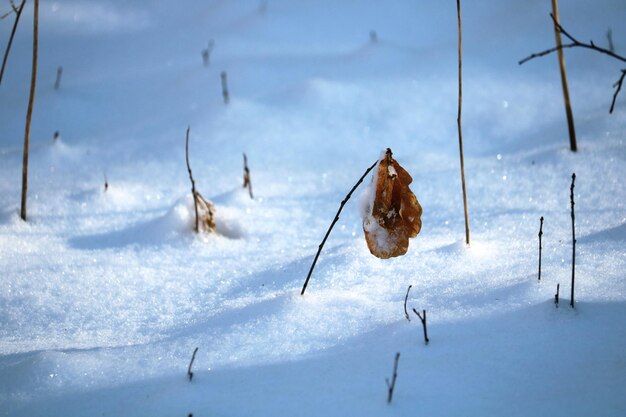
{"x": 406, "y": 313}
{"x": 391, "y": 385}
{"x": 29, "y": 112}
{"x": 193, "y": 357}
{"x": 343, "y": 203}
{"x": 193, "y": 183}
{"x": 423, "y": 320}
{"x": 458, "y": 120}
{"x": 575, "y": 43}
{"x": 18, "y": 13}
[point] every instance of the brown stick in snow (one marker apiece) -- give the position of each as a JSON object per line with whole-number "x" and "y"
{"x": 458, "y": 121}
{"x": 29, "y": 112}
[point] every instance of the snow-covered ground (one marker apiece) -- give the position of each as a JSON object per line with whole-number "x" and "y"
{"x": 105, "y": 294}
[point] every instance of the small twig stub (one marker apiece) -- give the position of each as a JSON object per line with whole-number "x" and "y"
{"x": 422, "y": 318}
{"x": 246, "y": 176}
{"x": 193, "y": 357}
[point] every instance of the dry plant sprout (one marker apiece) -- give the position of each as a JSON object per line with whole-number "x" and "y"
{"x": 204, "y": 209}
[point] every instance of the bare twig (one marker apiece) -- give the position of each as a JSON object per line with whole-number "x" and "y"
{"x": 540, "y": 235}
{"x": 556, "y": 296}
{"x": 193, "y": 357}
{"x": 206, "y": 53}
{"x": 29, "y": 112}
{"x": 617, "y": 86}
{"x": 573, "y": 238}
{"x": 225, "y": 94}
{"x": 423, "y": 320}
{"x": 391, "y": 385}
{"x": 343, "y": 203}
{"x": 458, "y": 120}
{"x": 246, "y": 176}
{"x": 57, "y": 82}
{"x": 406, "y": 313}
{"x": 18, "y": 13}
{"x": 575, "y": 43}
{"x": 193, "y": 183}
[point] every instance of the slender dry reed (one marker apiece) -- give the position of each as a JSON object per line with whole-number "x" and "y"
{"x": 458, "y": 121}
{"x": 29, "y": 112}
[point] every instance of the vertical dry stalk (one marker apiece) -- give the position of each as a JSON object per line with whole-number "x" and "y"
{"x": 193, "y": 357}
{"x": 458, "y": 121}
{"x": 246, "y": 176}
{"x": 406, "y": 298}
{"x": 29, "y": 113}
{"x": 540, "y": 235}
{"x": 18, "y": 13}
{"x": 556, "y": 296}
{"x": 609, "y": 37}
{"x": 568, "y": 105}
{"x": 225, "y": 93}
{"x": 573, "y": 238}
{"x": 422, "y": 318}
{"x": 57, "y": 82}
{"x": 391, "y": 385}
{"x": 193, "y": 183}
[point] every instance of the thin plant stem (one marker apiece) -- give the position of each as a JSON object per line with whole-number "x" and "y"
{"x": 391, "y": 385}
{"x": 193, "y": 183}
{"x": 540, "y": 235}
{"x": 343, "y": 203}
{"x": 29, "y": 113}
{"x": 566, "y": 98}
{"x": 458, "y": 121}
{"x": 573, "y": 238}
{"x": 406, "y": 313}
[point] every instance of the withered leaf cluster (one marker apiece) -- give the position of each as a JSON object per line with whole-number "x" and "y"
{"x": 205, "y": 220}
{"x": 395, "y": 212}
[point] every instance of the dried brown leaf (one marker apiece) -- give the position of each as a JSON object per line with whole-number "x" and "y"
{"x": 206, "y": 214}
{"x": 395, "y": 213}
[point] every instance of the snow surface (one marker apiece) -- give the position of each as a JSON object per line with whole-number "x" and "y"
{"x": 105, "y": 294}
